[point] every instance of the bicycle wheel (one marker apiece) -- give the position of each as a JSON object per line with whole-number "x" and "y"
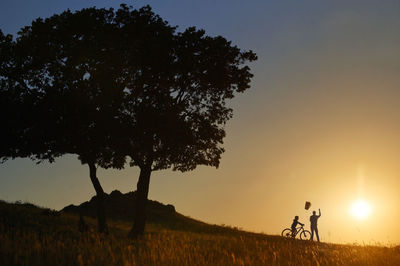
{"x": 305, "y": 235}
{"x": 287, "y": 232}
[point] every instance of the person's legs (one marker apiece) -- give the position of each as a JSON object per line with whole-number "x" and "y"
{"x": 316, "y": 232}
{"x": 293, "y": 232}
{"x": 312, "y": 233}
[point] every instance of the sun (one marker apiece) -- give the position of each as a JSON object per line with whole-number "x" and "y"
{"x": 361, "y": 209}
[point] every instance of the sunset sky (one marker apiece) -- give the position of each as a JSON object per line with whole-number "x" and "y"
{"x": 321, "y": 122}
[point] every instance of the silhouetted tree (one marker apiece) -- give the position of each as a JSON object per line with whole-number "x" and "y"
{"x": 107, "y": 85}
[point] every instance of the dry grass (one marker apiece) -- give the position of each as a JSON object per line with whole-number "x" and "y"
{"x": 54, "y": 240}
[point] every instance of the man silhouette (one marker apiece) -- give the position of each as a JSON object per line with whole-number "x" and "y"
{"x": 314, "y": 226}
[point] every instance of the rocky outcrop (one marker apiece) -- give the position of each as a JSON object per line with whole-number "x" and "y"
{"x": 121, "y": 207}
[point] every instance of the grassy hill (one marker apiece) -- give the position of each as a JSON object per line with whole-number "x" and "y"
{"x": 30, "y": 235}
{"x": 120, "y": 207}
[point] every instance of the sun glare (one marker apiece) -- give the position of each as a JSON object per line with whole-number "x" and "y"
{"x": 361, "y": 209}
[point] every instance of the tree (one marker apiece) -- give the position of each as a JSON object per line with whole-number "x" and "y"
{"x": 107, "y": 85}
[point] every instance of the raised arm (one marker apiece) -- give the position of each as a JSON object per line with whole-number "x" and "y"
{"x": 319, "y": 210}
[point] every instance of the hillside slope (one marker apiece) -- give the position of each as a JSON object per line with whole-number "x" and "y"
{"x": 120, "y": 207}
{"x": 30, "y": 235}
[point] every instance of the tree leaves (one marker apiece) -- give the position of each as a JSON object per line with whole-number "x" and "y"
{"x": 106, "y": 84}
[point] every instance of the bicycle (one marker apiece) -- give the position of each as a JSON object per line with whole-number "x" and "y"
{"x": 304, "y": 234}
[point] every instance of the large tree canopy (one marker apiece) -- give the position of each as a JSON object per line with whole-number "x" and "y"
{"x": 114, "y": 84}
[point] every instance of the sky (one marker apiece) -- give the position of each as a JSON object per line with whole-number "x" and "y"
{"x": 320, "y": 123}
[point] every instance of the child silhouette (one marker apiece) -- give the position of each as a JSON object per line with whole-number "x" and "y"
{"x": 294, "y": 224}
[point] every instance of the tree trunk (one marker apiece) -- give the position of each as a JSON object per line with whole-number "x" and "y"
{"x": 101, "y": 214}
{"x": 142, "y": 192}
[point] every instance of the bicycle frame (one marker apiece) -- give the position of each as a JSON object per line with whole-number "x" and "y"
{"x": 299, "y": 230}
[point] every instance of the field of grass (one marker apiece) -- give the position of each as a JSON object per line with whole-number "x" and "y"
{"x": 34, "y": 236}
